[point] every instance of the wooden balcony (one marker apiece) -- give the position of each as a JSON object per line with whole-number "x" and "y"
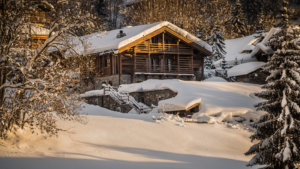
{"x": 163, "y": 48}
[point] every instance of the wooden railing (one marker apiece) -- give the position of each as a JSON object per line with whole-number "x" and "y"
{"x": 162, "y": 48}
{"x": 171, "y": 64}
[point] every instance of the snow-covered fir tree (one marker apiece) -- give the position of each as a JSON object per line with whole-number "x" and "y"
{"x": 278, "y": 131}
{"x": 236, "y": 61}
{"x": 224, "y": 66}
{"x": 208, "y": 62}
{"x": 224, "y": 63}
{"x": 218, "y": 45}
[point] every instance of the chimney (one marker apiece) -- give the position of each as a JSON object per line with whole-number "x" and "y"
{"x": 121, "y": 34}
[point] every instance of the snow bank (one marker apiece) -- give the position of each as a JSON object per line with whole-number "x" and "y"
{"x": 213, "y": 96}
{"x": 215, "y": 79}
{"x": 124, "y": 143}
{"x": 109, "y": 139}
{"x": 244, "y": 68}
{"x": 107, "y": 41}
{"x": 223, "y": 102}
{"x": 182, "y": 101}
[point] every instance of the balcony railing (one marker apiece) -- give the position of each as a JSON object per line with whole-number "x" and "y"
{"x": 162, "y": 48}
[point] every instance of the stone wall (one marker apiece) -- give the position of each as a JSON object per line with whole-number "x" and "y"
{"x": 153, "y": 97}
{"x": 148, "y": 97}
{"x": 112, "y": 80}
{"x": 109, "y": 103}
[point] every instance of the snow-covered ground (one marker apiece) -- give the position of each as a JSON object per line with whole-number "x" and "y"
{"x": 107, "y": 139}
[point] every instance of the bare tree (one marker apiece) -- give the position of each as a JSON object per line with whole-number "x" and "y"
{"x": 37, "y": 86}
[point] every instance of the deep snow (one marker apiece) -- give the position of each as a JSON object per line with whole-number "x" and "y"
{"x": 108, "y": 139}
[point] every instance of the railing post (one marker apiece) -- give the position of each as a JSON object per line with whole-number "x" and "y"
{"x": 149, "y": 57}
{"x": 178, "y": 61}
{"x": 164, "y": 62}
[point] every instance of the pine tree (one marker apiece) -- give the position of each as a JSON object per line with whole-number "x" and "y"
{"x": 278, "y": 131}
{"x": 208, "y": 62}
{"x": 101, "y": 8}
{"x": 236, "y": 61}
{"x": 238, "y": 20}
{"x": 224, "y": 64}
{"x": 218, "y": 45}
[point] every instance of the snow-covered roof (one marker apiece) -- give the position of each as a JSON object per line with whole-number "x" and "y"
{"x": 103, "y": 42}
{"x": 35, "y": 30}
{"x": 262, "y": 45}
{"x": 244, "y": 68}
{"x": 234, "y": 49}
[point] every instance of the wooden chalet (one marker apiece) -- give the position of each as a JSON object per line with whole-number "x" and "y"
{"x": 38, "y": 20}
{"x": 133, "y": 54}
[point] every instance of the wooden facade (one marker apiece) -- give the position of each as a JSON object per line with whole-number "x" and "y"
{"x": 163, "y": 54}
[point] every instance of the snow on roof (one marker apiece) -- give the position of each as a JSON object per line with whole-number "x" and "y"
{"x": 244, "y": 68}
{"x": 35, "y": 30}
{"x": 103, "y": 42}
{"x": 262, "y": 45}
{"x": 234, "y": 48}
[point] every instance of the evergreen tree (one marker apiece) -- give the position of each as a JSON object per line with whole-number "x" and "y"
{"x": 208, "y": 62}
{"x": 236, "y": 61}
{"x": 278, "y": 131}
{"x": 224, "y": 63}
{"x": 218, "y": 45}
{"x": 101, "y": 8}
{"x": 252, "y": 9}
{"x": 224, "y": 66}
{"x": 110, "y": 12}
{"x": 238, "y": 20}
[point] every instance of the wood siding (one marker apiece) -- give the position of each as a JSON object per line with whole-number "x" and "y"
{"x": 164, "y": 54}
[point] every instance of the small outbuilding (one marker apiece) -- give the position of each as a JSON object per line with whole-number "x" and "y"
{"x": 250, "y": 72}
